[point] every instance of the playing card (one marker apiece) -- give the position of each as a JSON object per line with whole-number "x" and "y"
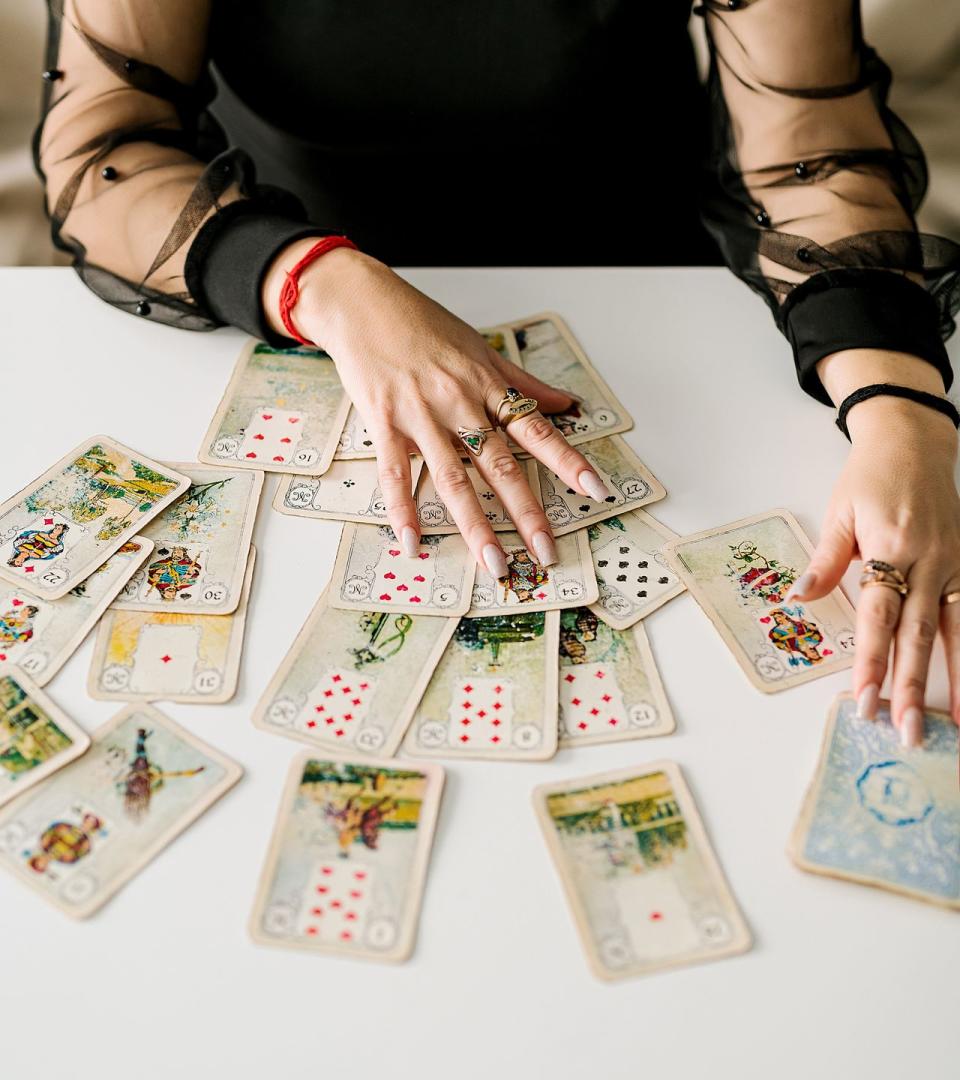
{"x": 881, "y": 814}
{"x": 355, "y": 442}
{"x": 373, "y": 574}
{"x": 494, "y": 692}
{"x": 154, "y": 655}
{"x": 633, "y": 576}
{"x": 346, "y": 867}
{"x": 503, "y": 339}
{"x": 201, "y": 543}
{"x": 630, "y": 482}
{"x": 551, "y": 353}
{"x": 282, "y": 411}
{"x": 70, "y": 520}
{"x": 39, "y": 636}
{"x": 645, "y": 887}
{"x": 36, "y": 737}
{"x": 81, "y": 836}
{"x": 610, "y": 689}
{"x": 347, "y": 491}
{"x": 570, "y": 582}
{"x": 740, "y": 574}
{"x": 435, "y": 518}
{"x": 353, "y": 678}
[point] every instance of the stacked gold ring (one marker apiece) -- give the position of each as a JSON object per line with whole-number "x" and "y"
{"x": 516, "y": 404}
{"x": 877, "y": 572}
{"x": 950, "y": 598}
{"x": 473, "y": 438}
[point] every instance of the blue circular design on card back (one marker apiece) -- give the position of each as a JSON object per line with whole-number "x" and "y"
{"x": 894, "y": 793}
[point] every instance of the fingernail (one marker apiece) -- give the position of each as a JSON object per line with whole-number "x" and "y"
{"x": 544, "y": 548}
{"x": 593, "y": 485}
{"x": 409, "y": 541}
{"x": 911, "y": 727}
{"x": 867, "y": 702}
{"x": 804, "y": 583}
{"x": 495, "y": 560}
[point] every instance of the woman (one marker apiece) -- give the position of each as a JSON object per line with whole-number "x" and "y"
{"x": 529, "y": 133}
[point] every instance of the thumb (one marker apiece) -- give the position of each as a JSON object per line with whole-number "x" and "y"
{"x": 548, "y": 397}
{"x": 828, "y": 563}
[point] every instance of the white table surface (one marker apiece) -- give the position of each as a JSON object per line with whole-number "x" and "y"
{"x": 843, "y": 981}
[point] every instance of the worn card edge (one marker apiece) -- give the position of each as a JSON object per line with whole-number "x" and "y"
{"x": 283, "y": 488}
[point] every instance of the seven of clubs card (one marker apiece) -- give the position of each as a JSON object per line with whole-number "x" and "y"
{"x": 347, "y": 491}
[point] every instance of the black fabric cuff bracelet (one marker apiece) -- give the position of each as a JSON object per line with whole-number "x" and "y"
{"x": 911, "y": 393}
{"x": 860, "y": 309}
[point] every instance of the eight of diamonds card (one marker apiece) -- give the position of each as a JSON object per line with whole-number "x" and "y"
{"x": 436, "y": 519}
{"x": 348, "y": 860}
{"x": 347, "y": 491}
{"x": 740, "y": 575}
{"x": 644, "y": 885}
{"x": 494, "y": 692}
{"x": 353, "y": 678}
{"x": 70, "y": 520}
{"x": 610, "y": 689}
{"x": 283, "y": 411}
{"x": 80, "y": 837}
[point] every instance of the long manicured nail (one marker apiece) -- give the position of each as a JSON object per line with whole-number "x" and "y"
{"x": 544, "y": 548}
{"x": 867, "y": 702}
{"x": 495, "y": 560}
{"x": 804, "y": 583}
{"x": 911, "y": 727}
{"x": 593, "y": 485}
{"x": 409, "y": 541}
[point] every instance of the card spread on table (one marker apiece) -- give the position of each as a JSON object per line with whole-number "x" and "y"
{"x": 436, "y": 519}
{"x": 70, "y": 520}
{"x": 644, "y": 885}
{"x": 740, "y": 575}
{"x": 80, "y": 837}
{"x": 504, "y": 341}
{"x": 881, "y": 814}
{"x": 282, "y": 411}
{"x": 347, "y": 491}
{"x": 570, "y": 582}
{"x": 353, "y": 678}
{"x": 36, "y": 737}
{"x": 201, "y": 543}
{"x": 164, "y": 655}
{"x": 39, "y": 636}
{"x": 347, "y": 863}
{"x": 355, "y": 442}
{"x": 494, "y": 692}
{"x": 610, "y": 689}
{"x": 373, "y": 574}
{"x": 633, "y": 575}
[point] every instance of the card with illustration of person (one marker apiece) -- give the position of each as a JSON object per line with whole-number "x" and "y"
{"x": 373, "y": 574}
{"x": 633, "y": 575}
{"x": 436, "y": 520}
{"x": 283, "y": 411}
{"x": 347, "y": 863}
{"x": 528, "y": 586}
{"x": 352, "y": 679}
{"x": 882, "y": 814}
{"x": 169, "y": 656}
{"x": 70, "y": 520}
{"x": 641, "y": 878}
{"x": 39, "y": 636}
{"x": 740, "y": 574}
{"x": 347, "y": 491}
{"x": 81, "y": 836}
{"x": 494, "y": 692}
{"x": 629, "y": 481}
{"x": 201, "y": 543}
{"x": 610, "y": 688}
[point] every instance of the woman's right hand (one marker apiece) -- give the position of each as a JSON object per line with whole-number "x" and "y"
{"x": 415, "y": 372}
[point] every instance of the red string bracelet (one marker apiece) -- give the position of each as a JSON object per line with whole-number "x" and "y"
{"x": 290, "y": 292}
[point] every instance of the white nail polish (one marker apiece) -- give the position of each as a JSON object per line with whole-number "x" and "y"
{"x": 409, "y": 541}
{"x": 593, "y": 485}
{"x": 544, "y": 548}
{"x": 867, "y": 702}
{"x": 495, "y": 560}
{"x": 911, "y": 727}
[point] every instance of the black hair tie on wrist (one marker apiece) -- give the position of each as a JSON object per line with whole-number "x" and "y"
{"x": 934, "y": 401}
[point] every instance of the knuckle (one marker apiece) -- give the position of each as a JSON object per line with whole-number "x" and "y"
{"x": 505, "y": 469}
{"x": 539, "y": 430}
{"x": 912, "y": 683}
{"x": 920, "y": 631}
{"x": 392, "y": 475}
{"x": 451, "y": 480}
{"x": 886, "y": 612}
{"x": 529, "y": 515}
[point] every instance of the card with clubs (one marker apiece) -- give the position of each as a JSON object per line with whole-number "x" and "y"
{"x": 348, "y": 491}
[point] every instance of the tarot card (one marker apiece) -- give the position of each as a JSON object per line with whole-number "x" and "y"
{"x": 355, "y": 442}
{"x": 503, "y": 339}
{"x": 353, "y": 678}
{"x": 36, "y": 737}
{"x": 644, "y": 884}
{"x": 435, "y": 518}
{"x": 881, "y": 814}
{"x": 347, "y": 863}
{"x": 201, "y": 546}
{"x": 373, "y": 574}
{"x": 494, "y": 692}
{"x": 163, "y": 655}
{"x": 630, "y": 481}
{"x": 347, "y": 491}
{"x": 551, "y": 353}
{"x": 610, "y": 689}
{"x": 528, "y": 586}
{"x": 39, "y": 636}
{"x": 80, "y": 837}
{"x": 282, "y": 411}
{"x": 633, "y": 576}
{"x": 70, "y": 520}
{"x": 740, "y": 574}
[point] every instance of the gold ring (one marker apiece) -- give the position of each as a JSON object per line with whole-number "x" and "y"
{"x": 473, "y": 438}
{"x": 517, "y": 405}
{"x": 950, "y": 598}
{"x": 877, "y": 572}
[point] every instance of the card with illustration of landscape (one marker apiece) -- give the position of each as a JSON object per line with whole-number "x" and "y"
{"x": 436, "y": 520}
{"x": 70, "y": 520}
{"x": 638, "y": 871}
{"x": 740, "y": 575}
{"x": 80, "y": 837}
{"x": 494, "y": 692}
{"x": 347, "y": 863}
{"x": 347, "y": 491}
{"x": 352, "y": 679}
{"x": 282, "y": 411}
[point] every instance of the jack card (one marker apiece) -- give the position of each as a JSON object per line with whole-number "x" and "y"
{"x": 435, "y": 519}
{"x": 347, "y": 491}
